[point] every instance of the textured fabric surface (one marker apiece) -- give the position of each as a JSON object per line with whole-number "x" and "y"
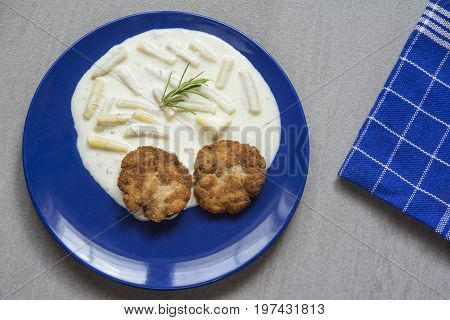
{"x": 342, "y": 243}
{"x": 402, "y": 153}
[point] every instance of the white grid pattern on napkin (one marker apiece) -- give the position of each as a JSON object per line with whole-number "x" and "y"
{"x": 421, "y": 31}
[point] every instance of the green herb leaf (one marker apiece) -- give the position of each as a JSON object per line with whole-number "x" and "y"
{"x": 179, "y": 94}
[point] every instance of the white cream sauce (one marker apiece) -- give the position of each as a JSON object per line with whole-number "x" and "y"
{"x": 185, "y": 135}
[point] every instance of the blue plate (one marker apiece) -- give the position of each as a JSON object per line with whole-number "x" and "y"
{"x": 194, "y": 249}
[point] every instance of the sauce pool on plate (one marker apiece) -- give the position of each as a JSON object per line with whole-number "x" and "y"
{"x": 115, "y": 105}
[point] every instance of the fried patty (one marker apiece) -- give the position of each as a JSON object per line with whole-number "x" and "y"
{"x": 156, "y": 181}
{"x": 228, "y": 175}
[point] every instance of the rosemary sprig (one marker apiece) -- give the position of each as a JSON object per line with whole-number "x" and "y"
{"x": 180, "y": 93}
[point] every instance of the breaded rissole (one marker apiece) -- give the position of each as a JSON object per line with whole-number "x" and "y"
{"x": 228, "y": 175}
{"x": 156, "y": 181}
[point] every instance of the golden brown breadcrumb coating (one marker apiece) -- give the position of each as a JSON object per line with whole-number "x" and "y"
{"x": 155, "y": 180}
{"x": 228, "y": 175}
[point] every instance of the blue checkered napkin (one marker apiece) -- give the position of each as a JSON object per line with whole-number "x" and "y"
{"x": 402, "y": 153}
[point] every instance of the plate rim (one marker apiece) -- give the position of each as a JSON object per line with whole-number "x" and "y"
{"x": 298, "y": 194}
